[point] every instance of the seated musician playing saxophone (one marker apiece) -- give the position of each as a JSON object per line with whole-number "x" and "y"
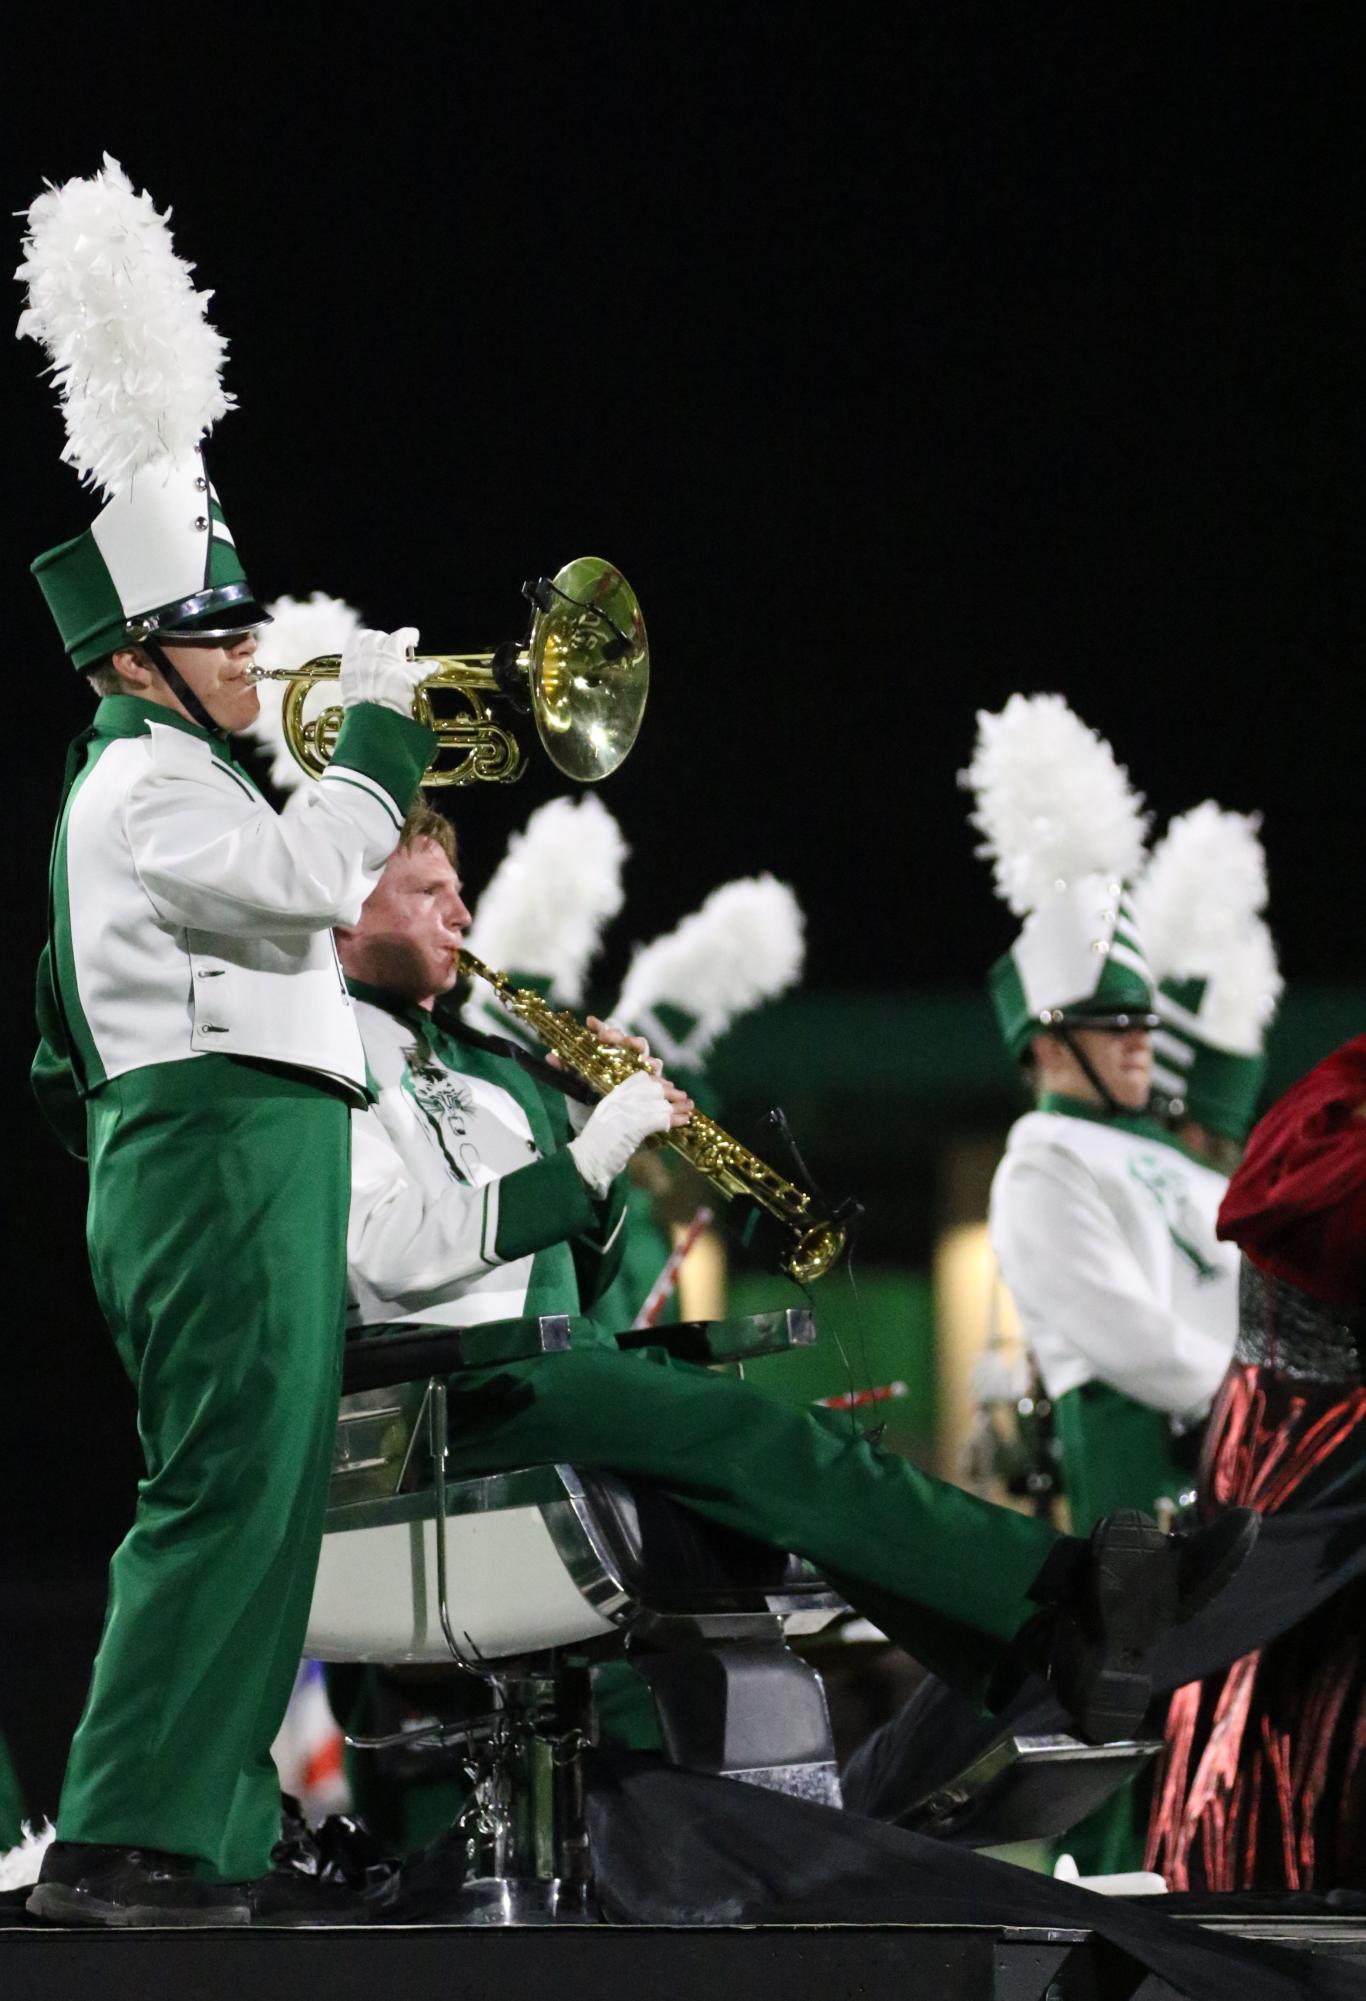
{"x": 473, "y": 1200}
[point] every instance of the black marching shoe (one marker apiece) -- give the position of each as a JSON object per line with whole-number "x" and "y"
{"x": 333, "y": 1874}
{"x": 81, "y": 1883}
{"x": 1138, "y": 1583}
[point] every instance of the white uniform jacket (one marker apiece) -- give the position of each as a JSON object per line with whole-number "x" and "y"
{"x": 1103, "y": 1230}
{"x": 464, "y": 1196}
{"x": 188, "y": 918}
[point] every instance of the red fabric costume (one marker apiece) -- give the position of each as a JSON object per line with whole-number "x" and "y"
{"x": 1263, "y": 1784}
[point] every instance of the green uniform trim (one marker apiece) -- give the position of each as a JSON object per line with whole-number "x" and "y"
{"x": 1141, "y": 1124}
{"x": 554, "y": 1205}
{"x": 386, "y": 747}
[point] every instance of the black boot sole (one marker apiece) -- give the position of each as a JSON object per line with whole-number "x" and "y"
{"x": 1104, "y": 1671}
{"x": 60, "y": 1904}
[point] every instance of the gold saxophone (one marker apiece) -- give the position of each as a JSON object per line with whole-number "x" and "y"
{"x": 817, "y": 1241}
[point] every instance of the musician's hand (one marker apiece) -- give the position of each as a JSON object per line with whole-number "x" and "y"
{"x": 681, "y": 1107}
{"x": 375, "y": 668}
{"x": 620, "y": 1123}
{"x": 616, "y": 1037}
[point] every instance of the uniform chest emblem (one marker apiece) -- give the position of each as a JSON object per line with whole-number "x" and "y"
{"x": 446, "y": 1106}
{"x": 1185, "y": 1226}
{"x": 441, "y": 1096}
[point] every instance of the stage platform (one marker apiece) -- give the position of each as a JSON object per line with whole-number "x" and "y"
{"x": 582, "y": 1963}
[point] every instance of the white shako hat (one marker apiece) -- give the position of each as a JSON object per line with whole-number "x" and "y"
{"x": 137, "y": 367}
{"x": 1200, "y": 905}
{"x": 1064, "y": 832}
{"x": 542, "y": 914}
{"x": 742, "y": 946}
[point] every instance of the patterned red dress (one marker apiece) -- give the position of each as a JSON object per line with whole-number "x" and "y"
{"x": 1263, "y": 1781}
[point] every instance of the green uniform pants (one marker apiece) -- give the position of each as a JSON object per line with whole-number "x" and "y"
{"x": 217, "y": 1235}
{"x": 943, "y": 1573}
{"x": 11, "y": 1801}
{"x": 1115, "y": 1454}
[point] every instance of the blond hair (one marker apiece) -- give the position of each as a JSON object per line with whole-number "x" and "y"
{"x": 424, "y": 823}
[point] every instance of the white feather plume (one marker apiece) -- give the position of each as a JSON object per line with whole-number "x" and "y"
{"x": 1243, "y": 993}
{"x": 302, "y": 629}
{"x": 19, "y": 1865}
{"x": 548, "y": 900}
{"x": 743, "y": 945}
{"x": 1198, "y": 908}
{"x": 136, "y": 362}
{"x": 1205, "y": 882}
{"x": 1051, "y": 801}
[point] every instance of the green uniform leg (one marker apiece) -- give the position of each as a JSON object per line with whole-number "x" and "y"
{"x": 1115, "y": 1454}
{"x": 11, "y": 1800}
{"x": 217, "y": 1236}
{"x": 945, "y": 1574}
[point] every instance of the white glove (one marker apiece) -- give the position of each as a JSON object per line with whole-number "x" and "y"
{"x": 608, "y": 1031}
{"x": 626, "y": 1116}
{"x": 375, "y": 668}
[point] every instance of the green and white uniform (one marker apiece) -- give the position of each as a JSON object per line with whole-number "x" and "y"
{"x": 1103, "y": 1229}
{"x": 466, "y": 1205}
{"x": 461, "y": 1208}
{"x": 200, "y": 1047}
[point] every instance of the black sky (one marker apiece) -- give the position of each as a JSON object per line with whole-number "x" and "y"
{"x": 898, "y": 367}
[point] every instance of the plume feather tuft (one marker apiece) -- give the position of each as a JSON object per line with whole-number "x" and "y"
{"x": 1051, "y": 801}
{"x": 1199, "y": 908}
{"x": 136, "y": 362}
{"x": 547, "y": 901}
{"x": 19, "y": 1865}
{"x": 1243, "y": 993}
{"x": 743, "y": 945}
{"x": 1206, "y": 880}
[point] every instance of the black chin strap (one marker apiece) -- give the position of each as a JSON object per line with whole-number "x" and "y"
{"x": 186, "y": 696}
{"x": 1064, "y": 1035}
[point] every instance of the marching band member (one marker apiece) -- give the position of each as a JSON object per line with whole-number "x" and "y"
{"x": 474, "y": 1200}
{"x": 198, "y": 1046}
{"x": 1102, "y": 1226}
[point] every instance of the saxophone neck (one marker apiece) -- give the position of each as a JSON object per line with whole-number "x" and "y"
{"x": 470, "y": 964}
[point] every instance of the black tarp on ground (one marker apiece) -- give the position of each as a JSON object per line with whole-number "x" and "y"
{"x": 673, "y": 1847}
{"x": 1299, "y": 1562}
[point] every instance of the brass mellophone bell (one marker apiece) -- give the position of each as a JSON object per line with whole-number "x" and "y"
{"x": 583, "y": 674}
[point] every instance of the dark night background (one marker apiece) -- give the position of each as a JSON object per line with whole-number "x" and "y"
{"x": 899, "y": 367}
